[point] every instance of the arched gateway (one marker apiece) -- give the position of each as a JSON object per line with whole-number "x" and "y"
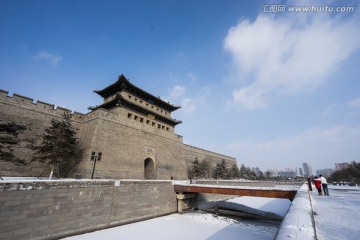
{"x": 149, "y": 169}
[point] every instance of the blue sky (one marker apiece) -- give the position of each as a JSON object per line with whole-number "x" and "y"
{"x": 273, "y": 89}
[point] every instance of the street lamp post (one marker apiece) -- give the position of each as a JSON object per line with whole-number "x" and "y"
{"x": 95, "y": 157}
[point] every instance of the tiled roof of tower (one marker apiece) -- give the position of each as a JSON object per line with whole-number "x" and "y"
{"x": 120, "y": 101}
{"x": 124, "y": 84}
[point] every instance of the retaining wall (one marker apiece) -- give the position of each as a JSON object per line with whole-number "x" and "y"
{"x": 299, "y": 221}
{"x": 55, "y": 209}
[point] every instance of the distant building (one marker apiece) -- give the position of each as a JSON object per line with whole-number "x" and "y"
{"x": 340, "y": 166}
{"x": 307, "y": 170}
{"x": 301, "y": 173}
{"x": 310, "y": 171}
{"x": 325, "y": 172}
{"x": 287, "y": 173}
{"x": 273, "y": 172}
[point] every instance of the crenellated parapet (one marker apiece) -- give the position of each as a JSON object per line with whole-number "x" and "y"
{"x": 21, "y": 102}
{"x": 192, "y": 153}
{"x": 19, "y": 106}
{"x": 207, "y": 152}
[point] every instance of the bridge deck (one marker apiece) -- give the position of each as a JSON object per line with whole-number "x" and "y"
{"x": 287, "y": 192}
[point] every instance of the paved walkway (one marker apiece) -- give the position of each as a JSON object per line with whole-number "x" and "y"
{"x": 337, "y": 217}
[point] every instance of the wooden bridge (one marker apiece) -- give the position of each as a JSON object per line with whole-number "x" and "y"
{"x": 241, "y": 188}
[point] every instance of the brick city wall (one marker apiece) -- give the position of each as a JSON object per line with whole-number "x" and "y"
{"x": 55, "y": 209}
{"x": 49, "y": 111}
{"x": 191, "y": 153}
{"x": 125, "y": 142}
{"x": 125, "y": 145}
{"x": 37, "y": 116}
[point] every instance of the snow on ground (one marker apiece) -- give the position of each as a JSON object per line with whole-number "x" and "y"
{"x": 198, "y": 225}
{"x": 337, "y": 217}
{"x": 298, "y": 222}
{"x": 274, "y": 205}
{"x": 183, "y": 226}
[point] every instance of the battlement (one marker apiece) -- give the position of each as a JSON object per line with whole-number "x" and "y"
{"x": 18, "y": 100}
{"x": 18, "y": 103}
{"x": 23, "y": 99}
{"x": 207, "y": 152}
{"x": 3, "y": 93}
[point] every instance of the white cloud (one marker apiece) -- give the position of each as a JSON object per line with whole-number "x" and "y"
{"x": 177, "y": 92}
{"x": 189, "y": 104}
{"x": 321, "y": 147}
{"x": 192, "y": 104}
{"x": 49, "y": 57}
{"x": 249, "y": 98}
{"x": 330, "y": 110}
{"x": 355, "y": 103}
{"x": 288, "y": 54}
{"x": 191, "y": 76}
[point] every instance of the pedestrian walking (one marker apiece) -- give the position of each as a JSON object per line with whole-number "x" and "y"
{"x": 317, "y": 183}
{"x": 324, "y": 185}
